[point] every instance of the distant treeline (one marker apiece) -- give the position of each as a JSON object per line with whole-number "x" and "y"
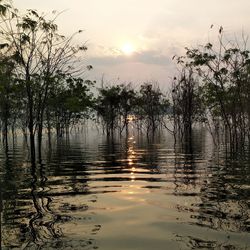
{"x": 41, "y": 87}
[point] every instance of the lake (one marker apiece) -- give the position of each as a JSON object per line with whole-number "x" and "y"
{"x": 90, "y": 192}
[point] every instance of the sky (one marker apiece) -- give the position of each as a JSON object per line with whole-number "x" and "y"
{"x": 135, "y": 40}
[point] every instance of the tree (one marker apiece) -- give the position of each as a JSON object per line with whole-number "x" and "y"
{"x": 40, "y": 53}
{"x": 108, "y": 107}
{"x": 70, "y": 101}
{"x": 7, "y": 92}
{"x": 151, "y": 107}
{"x": 187, "y": 105}
{"x": 127, "y": 102}
{"x": 223, "y": 70}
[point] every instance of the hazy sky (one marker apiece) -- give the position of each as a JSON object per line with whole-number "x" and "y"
{"x": 135, "y": 40}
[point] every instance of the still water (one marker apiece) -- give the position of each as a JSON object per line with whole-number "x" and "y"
{"x": 88, "y": 192}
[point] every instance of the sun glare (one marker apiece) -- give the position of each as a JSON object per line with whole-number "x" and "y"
{"x": 128, "y": 49}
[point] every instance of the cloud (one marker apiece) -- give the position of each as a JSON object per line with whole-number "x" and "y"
{"x": 155, "y": 57}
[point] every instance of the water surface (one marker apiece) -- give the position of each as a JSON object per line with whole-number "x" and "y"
{"x": 90, "y": 192}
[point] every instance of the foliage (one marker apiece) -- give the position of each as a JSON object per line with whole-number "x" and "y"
{"x": 222, "y": 71}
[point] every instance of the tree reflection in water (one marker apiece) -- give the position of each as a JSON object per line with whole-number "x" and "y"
{"x": 32, "y": 219}
{"x": 78, "y": 195}
{"x": 222, "y": 205}
{"x": 43, "y": 223}
{"x": 196, "y": 243}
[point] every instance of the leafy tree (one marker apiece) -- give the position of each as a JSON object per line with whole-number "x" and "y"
{"x": 127, "y": 102}
{"x": 187, "y": 105}
{"x": 223, "y": 70}
{"x": 7, "y": 92}
{"x": 151, "y": 107}
{"x": 69, "y": 101}
{"x": 108, "y": 107}
{"x": 40, "y": 53}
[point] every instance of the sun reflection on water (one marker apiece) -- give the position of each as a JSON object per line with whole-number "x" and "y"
{"x": 131, "y": 157}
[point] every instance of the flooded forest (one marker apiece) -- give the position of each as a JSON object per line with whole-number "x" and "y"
{"x": 100, "y": 165}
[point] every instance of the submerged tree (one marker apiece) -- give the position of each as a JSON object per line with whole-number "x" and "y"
{"x": 223, "y": 73}
{"x": 127, "y": 104}
{"x": 120, "y": 104}
{"x": 151, "y": 107}
{"x": 7, "y": 92}
{"x": 70, "y": 101}
{"x": 187, "y": 105}
{"x": 108, "y": 107}
{"x": 39, "y": 53}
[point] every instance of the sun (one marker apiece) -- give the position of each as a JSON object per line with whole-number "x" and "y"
{"x": 128, "y": 48}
